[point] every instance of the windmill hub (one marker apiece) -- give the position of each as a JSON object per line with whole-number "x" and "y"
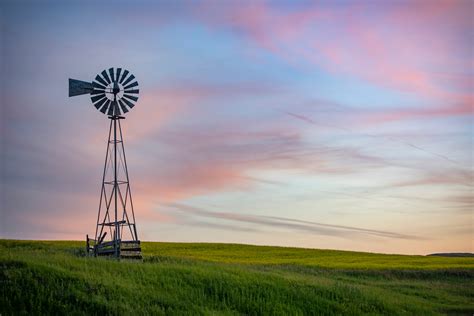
{"x": 116, "y": 88}
{"x": 113, "y": 92}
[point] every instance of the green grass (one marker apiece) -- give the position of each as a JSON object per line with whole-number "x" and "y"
{"x": 53, "y": 277}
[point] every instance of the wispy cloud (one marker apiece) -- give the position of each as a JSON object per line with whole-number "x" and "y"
{"x": 385, "y": 137}
{"x": 288, "y": 223}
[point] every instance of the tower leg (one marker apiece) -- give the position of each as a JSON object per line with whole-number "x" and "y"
{"x": 117, "y": 226}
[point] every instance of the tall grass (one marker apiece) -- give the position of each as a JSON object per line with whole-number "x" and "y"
{"x": 175, "y": 278}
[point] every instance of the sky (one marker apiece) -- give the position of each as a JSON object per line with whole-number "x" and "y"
{"x": 318, "y": 124}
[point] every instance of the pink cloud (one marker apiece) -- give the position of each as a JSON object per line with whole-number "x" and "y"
{"x": 206, "y": 160}
{"x": 457, "y": 109}
{"x": 165, "y": 103}
{"x": 405, "y": 46}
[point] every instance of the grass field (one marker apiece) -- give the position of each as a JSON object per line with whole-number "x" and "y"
{"x": 53, "y": 277}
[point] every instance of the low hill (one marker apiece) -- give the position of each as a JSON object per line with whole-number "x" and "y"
{"x": 453, "y": 254}
{"x": 54, "y": 277}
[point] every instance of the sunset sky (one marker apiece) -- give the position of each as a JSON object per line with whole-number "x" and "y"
{"x": 320, "y": 124}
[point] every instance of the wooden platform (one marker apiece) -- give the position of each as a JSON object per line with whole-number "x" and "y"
{"x": 128, "y": 249}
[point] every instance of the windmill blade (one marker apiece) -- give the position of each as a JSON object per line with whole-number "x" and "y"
{"x": 102, "y": 81}
{"x": 105, "y": 107}
{"x": 131, "y": 91}
{"x": 131, "y": 85}
{"x": 100, "y": 102}
{"x": 129, "y": 79}
{"x": 131, "y": 97}
{"x": 106, "y": 77}
{"x": 130, "y": 104}
{"x": 111, "y": 72}
{"x": 123, "y": 106}
{"x": 111, "y": 109}
{"x": 115, "y": 108}
{"x": 119, "y": 70}
{"x": 125, "y": 73}
{"x": 97, "y": 97}
{"x": 78, "y": 87}
{"x": 97, "y": 85}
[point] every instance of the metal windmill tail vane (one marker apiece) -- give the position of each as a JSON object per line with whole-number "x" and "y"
{"x": 114, "y": 93}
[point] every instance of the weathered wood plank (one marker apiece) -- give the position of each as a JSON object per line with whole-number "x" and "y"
{"x": 106, "y": 244}
{"x": 131, "y": 242}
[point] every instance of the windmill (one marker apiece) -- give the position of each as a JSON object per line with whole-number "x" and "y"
{"x": 114, "y": 93}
